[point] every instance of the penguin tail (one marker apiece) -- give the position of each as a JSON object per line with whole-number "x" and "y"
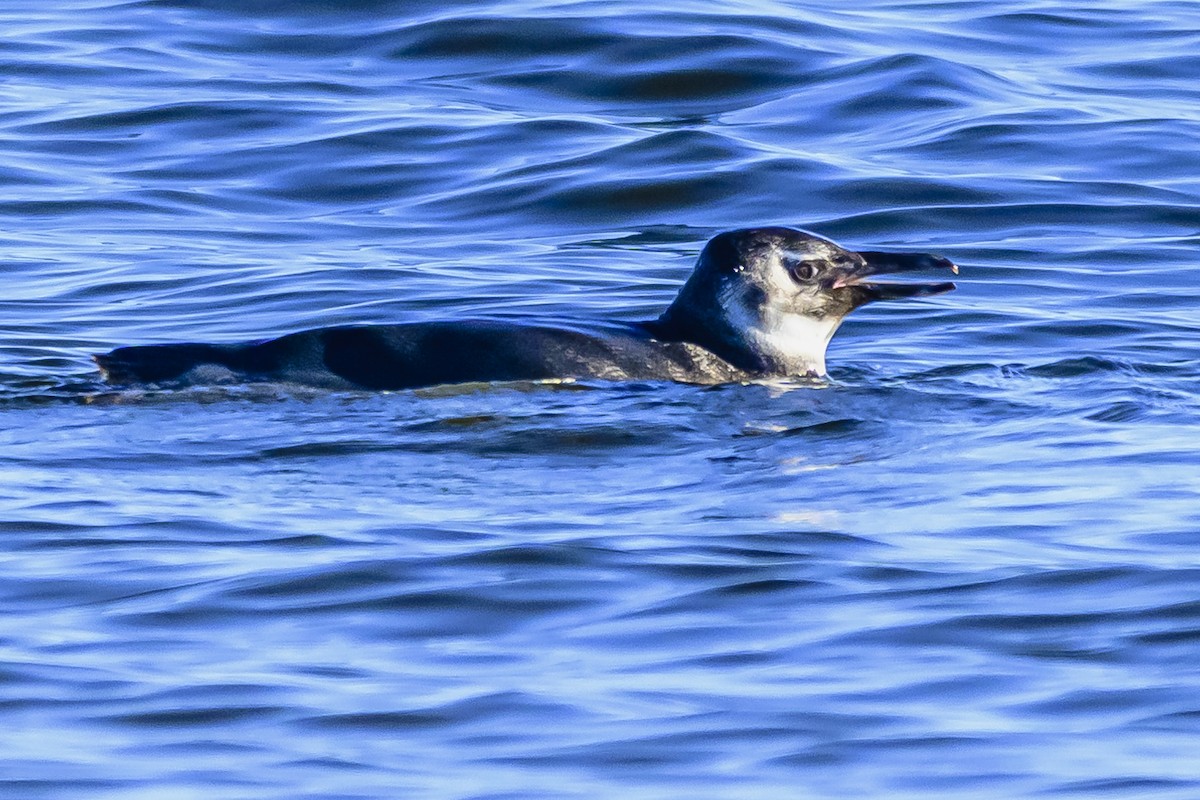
{"x": 156, "y": 363}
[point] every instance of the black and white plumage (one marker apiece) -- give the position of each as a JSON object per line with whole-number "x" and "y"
{"x": 761, "y": 303}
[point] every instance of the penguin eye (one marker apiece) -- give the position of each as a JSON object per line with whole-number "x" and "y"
{"x": 802, "y": 271}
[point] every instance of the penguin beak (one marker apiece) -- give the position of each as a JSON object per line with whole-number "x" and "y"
{"x": 875, "y": 263}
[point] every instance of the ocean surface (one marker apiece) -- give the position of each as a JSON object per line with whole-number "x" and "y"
{"x": 968, "y": 565}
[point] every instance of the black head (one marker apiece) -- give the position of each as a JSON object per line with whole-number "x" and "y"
{"x": 768, "y": 300}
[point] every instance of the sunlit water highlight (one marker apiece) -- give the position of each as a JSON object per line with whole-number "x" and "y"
{"x": 968, "y": 566}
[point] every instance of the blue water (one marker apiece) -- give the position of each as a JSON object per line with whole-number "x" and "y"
{"x": 969, "y": 566}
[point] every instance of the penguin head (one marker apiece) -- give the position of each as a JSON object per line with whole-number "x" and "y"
{"x": 768, "y": 300}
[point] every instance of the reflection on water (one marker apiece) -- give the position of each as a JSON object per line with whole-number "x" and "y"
{"x": 966, "y": 565}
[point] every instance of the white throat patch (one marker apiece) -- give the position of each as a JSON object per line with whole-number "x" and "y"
{"x": 794, "y": 340}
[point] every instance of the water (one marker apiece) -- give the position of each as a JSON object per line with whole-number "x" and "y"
{"x": 967, "y": 567}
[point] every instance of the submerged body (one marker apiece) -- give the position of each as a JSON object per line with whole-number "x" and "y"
{"x": 419, "y": 354}
{"x": 761, "y": 303}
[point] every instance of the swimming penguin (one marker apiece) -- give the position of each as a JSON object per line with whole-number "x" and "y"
{"x": 760, "y": 303}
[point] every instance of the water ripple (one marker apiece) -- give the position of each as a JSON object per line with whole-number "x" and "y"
{"x": 964, "y": 564}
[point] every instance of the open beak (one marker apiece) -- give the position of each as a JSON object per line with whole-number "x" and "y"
{"x": 874, "y": 263}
